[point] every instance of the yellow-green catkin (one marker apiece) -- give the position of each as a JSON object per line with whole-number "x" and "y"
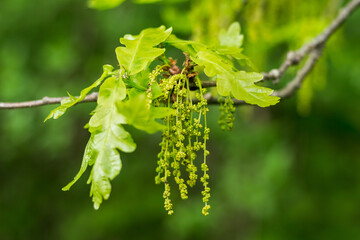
{"x": 152, "y": 79}
{"x": 204, "y": 167}
{"x": 227, "y": 111}
{"x": 163, "y": 169}
{"x": 167, "y": 203}
{"x": 183, "y": 137}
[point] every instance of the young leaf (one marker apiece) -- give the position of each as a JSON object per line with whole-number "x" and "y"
{"x": 140, "y": 51}
{"x": 190, "y": 47}
{"x": 241, "y": 86}
{"x": 231, "y": 37}
{"x": 214, "y": 64}
{"x": 107, "y": 137}
{"x": 141, "y": 79}
{"x": 238, "y": 83}
{"x": 88, "y": 160}
{"x": 237, "y": 54}
{"x": 136, "y": 113}
{"x": 71, "y": 101}
{"x": 104, "y": 4}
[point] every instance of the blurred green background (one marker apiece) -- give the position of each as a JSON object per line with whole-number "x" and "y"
{"x": 285, "y": 172}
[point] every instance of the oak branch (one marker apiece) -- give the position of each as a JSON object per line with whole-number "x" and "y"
{"x": 311, "y": 50}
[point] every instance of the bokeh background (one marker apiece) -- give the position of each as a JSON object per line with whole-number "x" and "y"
{"x": 286, "y": 172}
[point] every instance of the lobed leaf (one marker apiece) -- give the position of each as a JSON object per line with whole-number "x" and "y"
{"x": 136, "y": 113}
{"x": 107, "y": 137}
{"x": 140, "y": 51}
{"x": 88, "y": 160}
{"x": 190, "y": 47}
{"x": 214, "y": 64}
{"x": 242, "y": 87}
{"x": 240, "y": 84}
{"x": 231, "y": 37}
{"x": 71, "y": 101}
{"x": 236, "y": 53}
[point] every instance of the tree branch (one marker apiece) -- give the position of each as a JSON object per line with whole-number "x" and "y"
{"x": 293, "y": 85}
{"x": 313, "y": 49}
{"x": 44, "y": 101}
{"x": 295, "y": 57}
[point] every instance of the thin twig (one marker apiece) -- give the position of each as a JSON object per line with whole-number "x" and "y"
{"x": 292, "y": 86}
{"x": 44, "y": 101}
{"x": 295, "y": 57}
{"x": 313, "y": 49}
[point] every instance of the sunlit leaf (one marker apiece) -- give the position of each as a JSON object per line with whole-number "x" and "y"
{"x": 237, "y": 54}
{"x": 71, "y": 101}
{"x": 242, "y": 87}
{"x": 136, "y": 113}
{"x": 190, "y": 47}
{"x": 240, "y": 84}
{"x": 88, "y": 158}
{"x": 213, "y": 63}
{"x": 107, "y": 137}
{"x": 140, "y": 50}
{"x": 231, "y": 37}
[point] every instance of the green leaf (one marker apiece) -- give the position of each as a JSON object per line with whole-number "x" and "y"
{"x": 231, "y": 37}
{"x": 107, "y": 137}
{"x": 107, "y": 162}
{"x": 141, "y": 82}
{"x": 190, "y": 47}
{"x": 231, "y": 81}
{"x": 141, "y": 79}
{"x": 136, "y": 112}
{"x": 242, "y": 87}
{"x": 71, "y": 101}
{"x": 140, "y": 51}
{"x": 214, "y": 64}
{"x": 237, "y": 54}
{"x": 88, "y": 160}
{"x": 161, "y": 112}
{"x": 193, "y": 48}
{"x": 156, "y": 90}
{"x": 104, "y": 4}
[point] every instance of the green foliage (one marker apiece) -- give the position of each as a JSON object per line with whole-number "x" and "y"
{"x": 231, "y": 37}
{"x": 135, "y": 112}
{"x": 238, "y": 83}
{"x": 137, "y": 95}
{"x": 242, "y": 87}
{"x": 107, "y": 135}
{"x": 71, "y": 101}
{"x": 139, "y": 50}
{"x": 276, "y": 175}
{"x": 217, "y": 61}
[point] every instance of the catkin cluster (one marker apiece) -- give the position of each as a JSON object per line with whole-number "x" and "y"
{"x": 227, "y": 110}
{"x": 185, "y": 134}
